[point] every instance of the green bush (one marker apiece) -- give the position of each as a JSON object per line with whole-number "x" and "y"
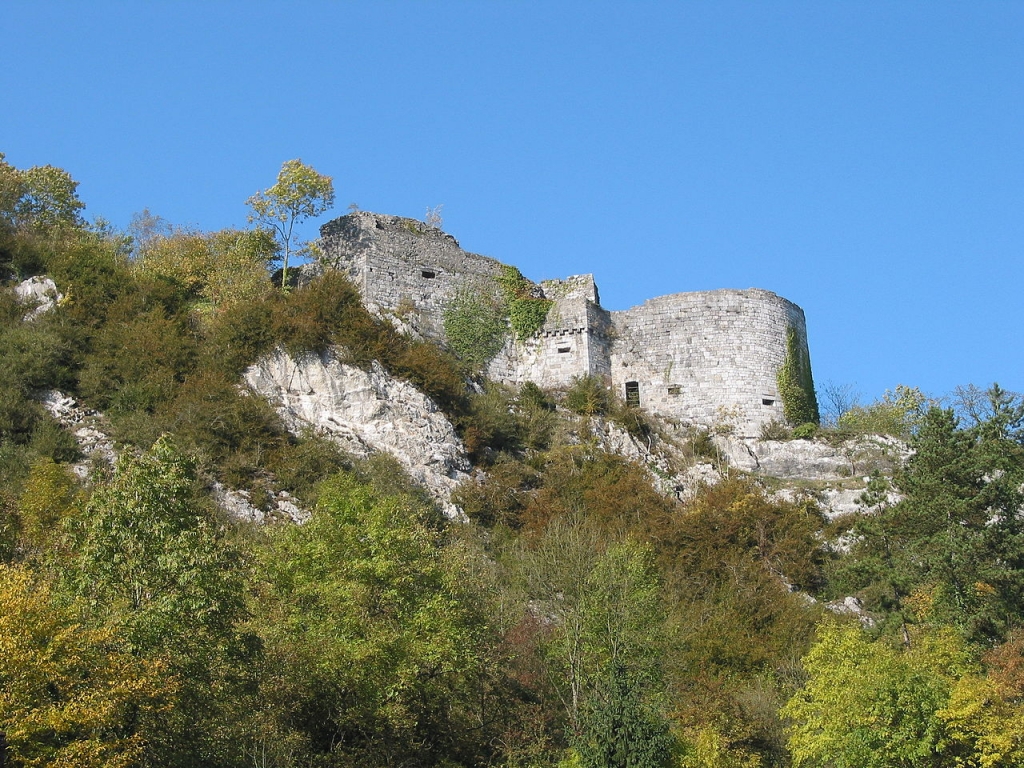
{"x": 632, "y": 419}
{"x": 214, "y": 420}
{"x": 475, "y": 326}
{"x": 501, "y": 496}
{"x": 897, "y": 413}
{"x": 237, "y": 336}
{"x": 588, "y": 396}
{"x": 491, "y": 425}
{"x": 527, "y": 312}
{"x": 805, "y": 431}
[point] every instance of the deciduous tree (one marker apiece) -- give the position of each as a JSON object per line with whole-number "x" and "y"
{"x": 299, "y": 194}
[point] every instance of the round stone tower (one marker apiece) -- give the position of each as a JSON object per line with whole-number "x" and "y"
{"x": 710, "y": 357}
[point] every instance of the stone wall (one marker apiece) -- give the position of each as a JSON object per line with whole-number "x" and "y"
{"x": 565, "y": 348}
{"x": 405, "y": 266}
{"x": 708, "y": 357}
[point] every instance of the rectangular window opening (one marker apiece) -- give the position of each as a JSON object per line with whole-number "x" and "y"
{"x": 675, "y": 390}
{"x": 429, "y": 274}
{"x": 767, "y": 401}
{"x": 562, "y": 350}
{"x": 633, "y": 394}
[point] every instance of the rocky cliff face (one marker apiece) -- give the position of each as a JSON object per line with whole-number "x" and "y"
{"x": 365, "y": 411}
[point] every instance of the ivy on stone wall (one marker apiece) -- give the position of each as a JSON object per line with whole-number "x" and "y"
{"x": 475, "y": 324}
{"x": 526, "y": 312}
{"x": 796, "y": 387}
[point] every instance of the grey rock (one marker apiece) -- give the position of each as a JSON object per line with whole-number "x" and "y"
{"x": 365, "y": 412}
{"x": 41, "y": 292}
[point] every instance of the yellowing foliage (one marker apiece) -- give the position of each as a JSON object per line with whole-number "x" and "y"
{"x": 68, "y": 694}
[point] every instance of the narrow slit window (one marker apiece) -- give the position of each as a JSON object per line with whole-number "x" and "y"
{"x": 633, "y": 394}
{"x": 563, "y": 350}
{"x": 429, "y": 274}
{"x": 675, "y": 390}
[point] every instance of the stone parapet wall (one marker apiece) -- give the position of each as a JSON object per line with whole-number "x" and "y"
{"x": 405, "y": 266}
{"x": 707, "y": 358}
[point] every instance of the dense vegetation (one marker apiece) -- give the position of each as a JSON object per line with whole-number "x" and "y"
{"x": 579, "y": 618}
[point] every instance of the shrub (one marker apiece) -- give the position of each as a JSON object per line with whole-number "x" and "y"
{"x": 775, "y": 430}
{"x": 490, "y": 423}
{"x": 588, "y": 396}
{"x": 537, "y": 416}
{"x": 527, "y": 312}
{"x": 501, "y": 497}
{"x": 433, "y": 371}
{"x": 239, "y": 335}
{"x": 300, "y": 465}
{"x": 139, "y": 361}
{"x": 475, "y": 326}
{"x": 326, "y": 311}
{"x": 632, "y": 419}
{"x": 212, "y": 418}
{"x": 805, "y": 431}
{"x": 897, "y": 413}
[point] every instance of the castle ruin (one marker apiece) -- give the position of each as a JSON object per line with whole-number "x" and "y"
{"x": 704, "y": 358}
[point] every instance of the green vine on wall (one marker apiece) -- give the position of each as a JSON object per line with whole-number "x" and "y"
{"x": 526, "y": 313}
{"x": 475, "y": 324}
{"x": 796, "y": 387}
{"x": 477, "y": 321}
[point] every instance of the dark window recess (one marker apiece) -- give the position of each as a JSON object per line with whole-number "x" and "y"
{"x": 429, "y": 274}
{"x": 633, "y": 394}
{"x": 675, "y": 390}
{"x": 564, "y": 349}
{"x": 767, "y": 401}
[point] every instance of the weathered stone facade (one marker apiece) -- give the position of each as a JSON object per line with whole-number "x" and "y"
{"x": 708, "y": 357}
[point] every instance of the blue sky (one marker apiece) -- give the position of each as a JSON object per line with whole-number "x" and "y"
{"x": 863, "y": 159}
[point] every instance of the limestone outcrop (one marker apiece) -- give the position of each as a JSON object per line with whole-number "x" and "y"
{"x": 365, "y": 412}
{"x": 86, "y": 425}
{"x": 41, "y": 292}
{"x": 836, "y": 474}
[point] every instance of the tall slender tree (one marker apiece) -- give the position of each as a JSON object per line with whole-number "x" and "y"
{"x": 299, "y": 194}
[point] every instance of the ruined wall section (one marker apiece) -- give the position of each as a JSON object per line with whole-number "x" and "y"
{"x": 566, "y": 345}
{"x": 707, "y": 358}
{"x": 404, "y": 266}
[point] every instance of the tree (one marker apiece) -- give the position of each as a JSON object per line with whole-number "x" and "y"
{"x": 152, "y": 558}
{"x": 371, "y": 646}
{"x": 875, "y": 705}
{"x": 69, "y": 693}
{"x": 300, "y": 193}
{"x": 41, "y": 197}
{"x": 603, "y": 607}
{"x": 152, "y": 553}
{"x": 955, "y": 542}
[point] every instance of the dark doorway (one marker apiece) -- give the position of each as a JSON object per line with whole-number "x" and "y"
{"x": 633, "y": 394}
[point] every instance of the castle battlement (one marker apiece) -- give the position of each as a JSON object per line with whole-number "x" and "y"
{"x": 703, "y": 357}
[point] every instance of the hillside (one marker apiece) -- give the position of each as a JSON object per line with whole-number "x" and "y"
{"x": 244, "y": 523}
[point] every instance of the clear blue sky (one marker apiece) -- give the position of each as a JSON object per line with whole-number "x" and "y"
{"x": 863, "y": 159}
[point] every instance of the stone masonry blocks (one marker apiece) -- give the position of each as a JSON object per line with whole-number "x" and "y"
{"x": 708, "y": 358}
